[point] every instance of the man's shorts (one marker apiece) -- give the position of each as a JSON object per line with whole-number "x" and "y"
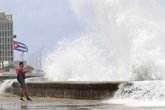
{"x": 21, "y": 81}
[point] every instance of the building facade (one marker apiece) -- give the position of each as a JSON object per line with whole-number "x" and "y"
{"x": 6, "y": 39}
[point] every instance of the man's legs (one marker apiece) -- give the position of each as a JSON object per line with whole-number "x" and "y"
{"x": 22, "y": 83}
{"x": 22, "y": 94}
{"x": 24, "y": 91}
{"x": 26, "y": 94}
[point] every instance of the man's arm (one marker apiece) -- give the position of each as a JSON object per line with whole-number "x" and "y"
{"x": 27, "y": 69}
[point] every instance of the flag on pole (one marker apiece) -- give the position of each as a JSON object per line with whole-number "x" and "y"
{"x": 20, "y": 46}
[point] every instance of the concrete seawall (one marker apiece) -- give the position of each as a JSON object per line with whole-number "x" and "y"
{"x": 73, "y": 90}
{"x": 14, "y": 76}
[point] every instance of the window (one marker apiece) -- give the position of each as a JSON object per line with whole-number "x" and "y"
{"x": 9, "y": 40}
{"x": 6, "y": 46}
{"x": 2, "y": 33}
{"x": 1, "y": 41}
{"x": 9, "y": 47}
{"x": 11, "y": 26}
{"x": 12, "y": 59}
{"x": 11, "y": 34}
{"x": 8, "y": 26}
{"x": 2, "y": 26}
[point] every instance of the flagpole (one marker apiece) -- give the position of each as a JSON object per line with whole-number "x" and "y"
{"x": 22, "y": 56}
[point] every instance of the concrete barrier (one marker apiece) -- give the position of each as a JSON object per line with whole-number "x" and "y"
{"x": 14, "y": 76}
{"x": 73, "y": 90}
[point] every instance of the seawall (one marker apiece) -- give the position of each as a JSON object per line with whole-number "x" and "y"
{"x": 72, "y": 90}
{"x": 7, "y": 76}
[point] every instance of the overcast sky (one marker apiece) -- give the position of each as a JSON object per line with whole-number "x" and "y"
{"x": 41, "y": 23}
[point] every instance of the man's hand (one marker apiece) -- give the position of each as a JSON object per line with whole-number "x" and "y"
{"x": 27, "y": 69}
{"x": 28, "y": 66}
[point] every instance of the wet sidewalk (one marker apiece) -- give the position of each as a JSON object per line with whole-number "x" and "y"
{"x": 10, "y": 102}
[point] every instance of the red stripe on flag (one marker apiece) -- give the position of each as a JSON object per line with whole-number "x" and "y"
{"x": 15, "y": 45}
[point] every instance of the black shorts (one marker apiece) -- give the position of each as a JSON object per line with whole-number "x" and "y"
{"x": 21, "y": 81}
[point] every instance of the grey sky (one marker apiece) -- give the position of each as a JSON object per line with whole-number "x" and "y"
{"x": 41, "y": 23}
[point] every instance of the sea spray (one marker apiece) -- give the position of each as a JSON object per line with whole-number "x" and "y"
{"x": 6, "y": 85}
{"x": 144, "y": 90}
{"x": 140, "y": 93}
{"x": 78, "y": 59}
{"x": 128, "y": 42}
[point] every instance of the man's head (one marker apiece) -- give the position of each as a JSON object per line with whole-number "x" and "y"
{"x": 21, "y": 64}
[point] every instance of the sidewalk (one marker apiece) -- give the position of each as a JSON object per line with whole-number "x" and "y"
{"x": 10, "y": 102}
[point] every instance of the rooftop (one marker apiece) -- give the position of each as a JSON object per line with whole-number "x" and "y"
{"x": 4, "y": 16}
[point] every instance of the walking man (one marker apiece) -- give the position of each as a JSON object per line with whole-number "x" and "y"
{"x": 21, "y": 79}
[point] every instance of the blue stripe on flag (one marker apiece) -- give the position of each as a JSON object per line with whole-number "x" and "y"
{"x": 22, "y": 47}
{"x": 21, "y": 50}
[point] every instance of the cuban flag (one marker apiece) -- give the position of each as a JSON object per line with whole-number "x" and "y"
{"x": 20, "y": 46}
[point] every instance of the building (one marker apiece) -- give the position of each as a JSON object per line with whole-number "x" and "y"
{"x": 6, "y": 39}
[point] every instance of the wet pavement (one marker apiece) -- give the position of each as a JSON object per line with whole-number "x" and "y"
{"x": 10, "y": 102}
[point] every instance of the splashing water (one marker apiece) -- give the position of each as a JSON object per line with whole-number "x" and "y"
{"x": 124, "y": 39}
{"x": 75, "y": 59}
{"x": 140, "y": 93}
{"x": 142, "y": 90}
{"x": 6, "y": 85}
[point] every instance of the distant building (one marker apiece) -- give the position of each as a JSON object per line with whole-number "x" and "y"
{"x": 6, "y": 39}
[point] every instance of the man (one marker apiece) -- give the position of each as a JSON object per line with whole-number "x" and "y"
{"x": 21, "y": 79}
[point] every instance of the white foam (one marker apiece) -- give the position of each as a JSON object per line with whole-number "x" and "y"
{"x": 6, "y": 85}
{"x": 140, "y": 93}
{"x": 137, "y": 103}
{"x": 141, "y": 90}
